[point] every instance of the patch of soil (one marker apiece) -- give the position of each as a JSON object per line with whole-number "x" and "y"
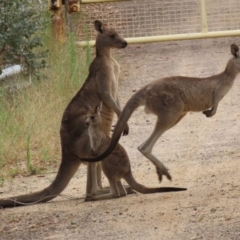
{"x": 202, "y": 155}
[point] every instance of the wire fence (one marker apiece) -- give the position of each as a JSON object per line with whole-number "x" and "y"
{"x": 223, "y": 15}
{"x": 144, "y": 18}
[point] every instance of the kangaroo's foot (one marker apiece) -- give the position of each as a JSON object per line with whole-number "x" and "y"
{"x": 89, "y": 199}
{"x": 161, "y": 169}
{"x": 161, "y": 172}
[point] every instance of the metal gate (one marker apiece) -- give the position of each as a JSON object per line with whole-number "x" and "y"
{"x": 142, "y": 21}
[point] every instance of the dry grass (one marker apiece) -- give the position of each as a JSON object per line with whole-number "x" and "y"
{"x": 30, "y": 119}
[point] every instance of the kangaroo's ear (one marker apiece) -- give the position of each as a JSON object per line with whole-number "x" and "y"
{"x": 235, "y": 50}
{"x": 98, "y": 108}
{"x": 98, "y": 26}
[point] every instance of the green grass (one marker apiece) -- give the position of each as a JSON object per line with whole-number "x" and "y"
{"x": 30, "y": 119}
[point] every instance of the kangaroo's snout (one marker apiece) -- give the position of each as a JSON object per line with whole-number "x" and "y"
{"x": 124, "y": 44}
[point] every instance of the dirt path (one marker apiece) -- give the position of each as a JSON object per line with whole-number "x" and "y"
{"x": 202, "y": 155}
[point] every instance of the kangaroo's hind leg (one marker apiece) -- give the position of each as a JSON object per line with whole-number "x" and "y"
{"x": 93, "y": 179}
{"x": 121, "y": 188}
{"x": 164, "y": 122}
{"x": 114, "y": 192}
{"x": 99, "y": 175}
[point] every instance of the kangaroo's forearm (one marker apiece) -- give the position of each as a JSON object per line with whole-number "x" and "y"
{"x": 110, "y": 103}
{"x": 118, "y": 103}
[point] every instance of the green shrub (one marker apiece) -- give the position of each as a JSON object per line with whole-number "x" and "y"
{"x": 21, "y": 24}
{"x": 30, "y": 119}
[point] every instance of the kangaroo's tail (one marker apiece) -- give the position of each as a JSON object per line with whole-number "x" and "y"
{"x": 133, "y": 103}
{"x": 66, "y": 171}
{"x": 145, "y": 190}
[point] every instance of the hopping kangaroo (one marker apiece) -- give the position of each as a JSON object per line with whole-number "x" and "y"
{"x": 170, "y": 99}
{"x": 100, "y": 85}
{"x": 116, "y": 166}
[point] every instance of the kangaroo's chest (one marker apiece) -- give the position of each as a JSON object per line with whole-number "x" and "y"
{"x": 115, "y": 67}
{"x": 113, "y": 76}
{"x": 97, "y": 138}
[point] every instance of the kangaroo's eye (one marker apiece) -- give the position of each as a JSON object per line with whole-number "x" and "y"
{"x": 92, "y": 117}
{"x": 112, "y": 36}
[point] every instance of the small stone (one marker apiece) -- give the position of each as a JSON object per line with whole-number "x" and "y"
{"x": 73, "y": 222}
{"x": 213, "y": 210}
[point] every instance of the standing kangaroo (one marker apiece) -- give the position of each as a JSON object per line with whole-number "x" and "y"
{"x": 170, "y": 99}
{"x": 116, "y": 166}
{"x": 100, "y": 85}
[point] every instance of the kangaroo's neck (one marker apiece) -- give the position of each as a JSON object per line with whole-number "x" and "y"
{"x": 102, "y": 50}
{"x": 230, "y": 73}
{"x": 97, "y": 137}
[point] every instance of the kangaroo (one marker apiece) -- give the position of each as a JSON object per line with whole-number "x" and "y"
{"x": 170, "y": 99}
{"x": 100, "y": 85}
{"x": 116, "y": 166}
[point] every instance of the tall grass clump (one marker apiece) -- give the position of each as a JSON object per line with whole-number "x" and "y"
{"x": 30, "y": 119}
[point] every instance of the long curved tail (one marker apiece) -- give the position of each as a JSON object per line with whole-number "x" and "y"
{"x": 66, "y": 171}
{"x": 145, "y": 190}
{"x": 133, "y": 103}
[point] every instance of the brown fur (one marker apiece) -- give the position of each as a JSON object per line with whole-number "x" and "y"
{"x": 116, "y": 166}
{"x": 170, "y": 99}
{"x": 100, "y": 85}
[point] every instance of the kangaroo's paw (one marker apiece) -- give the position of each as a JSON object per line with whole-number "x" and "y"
{"x": 94, "y": 153}
{"x": 161, "y": 173}
{"x": 126, "y": 130}
{"x": 208, "y": 113}
{"x": 130, "y": 190}
{"x": 113, "y": 126}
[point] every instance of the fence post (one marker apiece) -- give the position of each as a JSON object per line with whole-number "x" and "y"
{"x": 204, "y": 24}
{"x": 57, "y": 19}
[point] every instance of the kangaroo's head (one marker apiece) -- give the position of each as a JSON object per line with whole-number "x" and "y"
{"x": 236, "y": 58}
{"x": 93, "y": 117}
{"x": 108, "y": 37}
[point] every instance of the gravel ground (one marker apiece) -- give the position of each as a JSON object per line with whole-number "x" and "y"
{"x": 202, "y": 155}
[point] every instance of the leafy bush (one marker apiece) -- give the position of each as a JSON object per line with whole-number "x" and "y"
{"x": 30, "y": 119}
{"x": 21, "y": 24}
